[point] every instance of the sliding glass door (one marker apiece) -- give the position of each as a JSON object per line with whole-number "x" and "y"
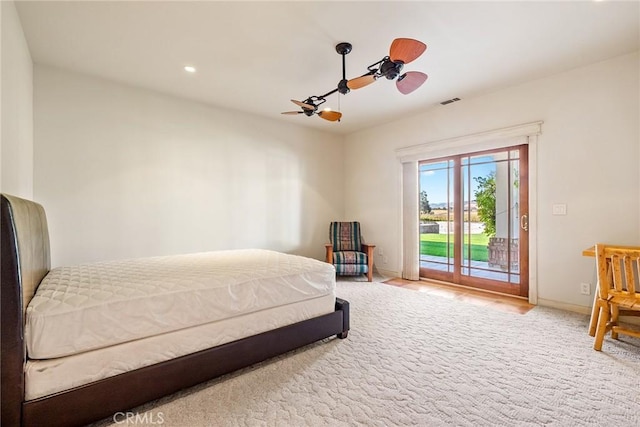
{"x": 474, "y": 220}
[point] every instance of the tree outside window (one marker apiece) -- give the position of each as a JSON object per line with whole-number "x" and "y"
{"x": 424, "y": 203}
{"x": 486, "y": 201}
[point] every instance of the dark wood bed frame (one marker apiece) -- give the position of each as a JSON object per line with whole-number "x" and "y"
{"x": 25, "y": 261}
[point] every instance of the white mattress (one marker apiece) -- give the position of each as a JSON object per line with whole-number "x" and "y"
{"x": 44, "y": 377}
{"x": 92, "y": 306}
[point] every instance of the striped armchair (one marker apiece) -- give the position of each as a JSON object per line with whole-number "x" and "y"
{"x": 347, "y": 252}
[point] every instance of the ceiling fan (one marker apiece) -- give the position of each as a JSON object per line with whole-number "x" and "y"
{"x": 401, "y": 52}
{"x": 310, "y": 107}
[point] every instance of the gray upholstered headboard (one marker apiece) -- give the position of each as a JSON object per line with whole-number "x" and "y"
{"x": 31, "y": 239}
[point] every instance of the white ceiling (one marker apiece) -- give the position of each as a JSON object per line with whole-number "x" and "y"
{"x": 256, "y": 56}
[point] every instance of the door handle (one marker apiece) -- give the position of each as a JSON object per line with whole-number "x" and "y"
{"x": 524, "y": 222}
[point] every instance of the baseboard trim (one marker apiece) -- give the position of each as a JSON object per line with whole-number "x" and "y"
{"x": 388, "y": 273}
{"x": 564, "y": 306}
{"x": 582, "y": 310}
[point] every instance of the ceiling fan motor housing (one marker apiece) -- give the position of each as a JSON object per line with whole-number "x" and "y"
{"x": 307, "y": 111}
{"x": 391, "y": 69}
{"x": 342, "y": 87}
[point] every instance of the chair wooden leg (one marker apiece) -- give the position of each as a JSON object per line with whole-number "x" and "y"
{"x": 593, "y": 323}
{"x": 603, "y": 318}
{"x": 615, "y": 312}
{"x": 370, "y": 249}
{"x": 328, "y": 253}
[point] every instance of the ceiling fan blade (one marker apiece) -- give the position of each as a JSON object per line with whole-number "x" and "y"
{"x": 410, "y": 81}
{"x": 332, "y": 116}
{"x": 292, "y": 112}
{"x": 406, "y": 50}
{"x": 361, "y": 81}
{"x": 303, "y": 105}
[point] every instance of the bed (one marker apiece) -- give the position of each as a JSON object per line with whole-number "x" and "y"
{"x": 82, "y": 343}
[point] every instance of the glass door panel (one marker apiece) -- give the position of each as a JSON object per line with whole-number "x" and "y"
{"x": 479, "y": 203}
{"x": 437, "y": 231}
{"x": 478, "y": 192}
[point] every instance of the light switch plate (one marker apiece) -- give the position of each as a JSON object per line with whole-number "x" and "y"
{"x": 559, "y": 209}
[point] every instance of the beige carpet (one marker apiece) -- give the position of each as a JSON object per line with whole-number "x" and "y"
{"x": 425, "y": 360}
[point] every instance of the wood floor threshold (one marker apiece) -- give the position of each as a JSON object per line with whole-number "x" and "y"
{"x": 502, "y": 302}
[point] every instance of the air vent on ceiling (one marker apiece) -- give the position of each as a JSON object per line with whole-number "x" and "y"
{"x": 449, "y": 101}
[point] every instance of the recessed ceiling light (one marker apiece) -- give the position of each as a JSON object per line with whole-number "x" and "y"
{"x": 190, "y": 69}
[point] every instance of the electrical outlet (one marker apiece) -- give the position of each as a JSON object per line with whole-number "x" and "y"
{"x": 585, "y": 288}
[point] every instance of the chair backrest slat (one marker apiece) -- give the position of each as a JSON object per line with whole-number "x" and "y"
{"x": 605, "y": 273}
{"x": 617, "y": 272}
{"x": 618, "y": 269}
{"x": 629, "y": 282}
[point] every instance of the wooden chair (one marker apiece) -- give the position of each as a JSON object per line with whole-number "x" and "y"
{"x": 347, "y": 252}
{"x": 618, "y": 289}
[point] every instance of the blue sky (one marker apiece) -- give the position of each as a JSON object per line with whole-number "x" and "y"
{"x": 433, "y": 178}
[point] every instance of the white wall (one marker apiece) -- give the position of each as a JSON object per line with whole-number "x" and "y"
{"x": 124, "y": 172}
{"x": 16, "y": 145}
{"x": 587, "y": 158}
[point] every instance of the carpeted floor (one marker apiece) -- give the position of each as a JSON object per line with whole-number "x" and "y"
{"x": 423, "y": 360}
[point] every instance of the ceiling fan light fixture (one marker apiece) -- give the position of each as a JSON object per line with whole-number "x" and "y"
{"x": 190, "y": 69}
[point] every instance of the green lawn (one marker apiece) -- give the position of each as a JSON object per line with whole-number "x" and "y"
{"x": 436, "y": 245}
